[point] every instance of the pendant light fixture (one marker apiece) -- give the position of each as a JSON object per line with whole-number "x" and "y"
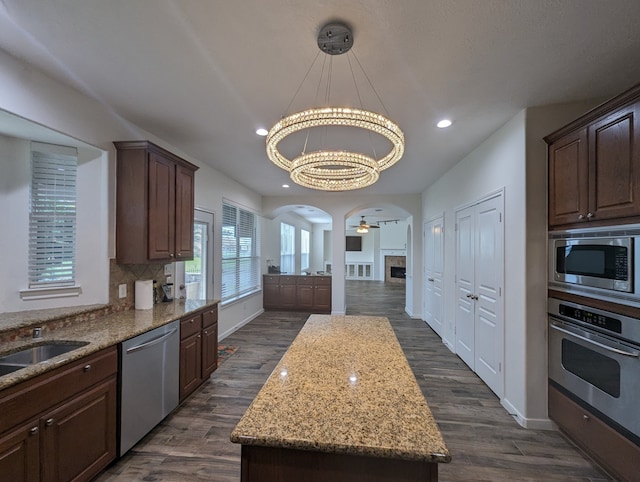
{"x": 335, "y": 168}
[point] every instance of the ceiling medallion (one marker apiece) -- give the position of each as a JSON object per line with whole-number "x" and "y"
{"x": 334, "y": 169}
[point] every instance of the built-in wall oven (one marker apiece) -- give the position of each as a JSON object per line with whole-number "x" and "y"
{"x": 601, "y": 263}
{"x": 594, "y": 358}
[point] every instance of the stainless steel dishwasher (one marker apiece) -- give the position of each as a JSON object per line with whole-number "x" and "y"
{"x": 149, "y": 382}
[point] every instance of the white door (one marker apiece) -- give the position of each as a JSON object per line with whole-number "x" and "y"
{"x": 434, "y": 267}
{"x": 199, "y": 271}
{"x": 465, "y": 329}
{"x": 488, "y": 300}
{"x": 479, "y": 308}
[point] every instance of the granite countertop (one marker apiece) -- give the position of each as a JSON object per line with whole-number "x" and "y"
{"x": 344, "y": 386}
{"x": 100, "y": 333}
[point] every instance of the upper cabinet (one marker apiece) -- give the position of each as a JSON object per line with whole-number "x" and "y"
{"x": 594, "y": 166}
{"x": 154, "y": 204}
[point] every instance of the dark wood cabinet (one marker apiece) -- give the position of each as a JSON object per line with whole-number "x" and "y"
{"x": 609, "y": 448}
{"x": 198, "y": 349}
{"x": 300, "y": 293}
{"x": 20, "y": 453}
{"x": 61, "y": 425}
{"x": 79, "y": 437}
{"x": 154, "y": 204}
{"x": 594, "y": 165}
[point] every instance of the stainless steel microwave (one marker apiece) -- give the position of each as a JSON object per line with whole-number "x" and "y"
{"x": 596, "y": 262}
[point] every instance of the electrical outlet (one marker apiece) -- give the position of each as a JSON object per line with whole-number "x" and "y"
{"x": 168, "y": 269}
{"x": 122, "y": 291}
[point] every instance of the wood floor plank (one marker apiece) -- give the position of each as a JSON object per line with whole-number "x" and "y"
{"x": 486, "y": 443}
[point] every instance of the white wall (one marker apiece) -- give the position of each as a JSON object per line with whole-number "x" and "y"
{"x": 91, "y": 222}
{"x": 28, "y": 93}
{"x": 513, "y": 158}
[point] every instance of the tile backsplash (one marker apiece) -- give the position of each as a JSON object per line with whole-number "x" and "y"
{"x": 128, "y": 274}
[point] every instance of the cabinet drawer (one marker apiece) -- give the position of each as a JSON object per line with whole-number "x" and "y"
{"x": 609, "y": 448}
{"x": 190, "y": 326}
{"x": 210, "y": 316}
{"x": 322, "y": 280}
{"x": 288, "y": 280}
{"x": 304, "y": 280}
{"x": 271, "y": 280}
{"x": 32, "y": 397}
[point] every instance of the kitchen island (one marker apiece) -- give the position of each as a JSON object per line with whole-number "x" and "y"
{"x": 342, "y": 405}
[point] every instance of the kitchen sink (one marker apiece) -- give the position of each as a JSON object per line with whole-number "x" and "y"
{"x": 36, "y": 354}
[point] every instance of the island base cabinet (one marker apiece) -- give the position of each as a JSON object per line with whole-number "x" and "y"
{"x": 272, "y": 464}
{"x": 19, "y": 454}
{"x": 79, "y": 438}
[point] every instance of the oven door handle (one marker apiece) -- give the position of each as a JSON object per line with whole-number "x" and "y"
{"x": 633, "y": 354}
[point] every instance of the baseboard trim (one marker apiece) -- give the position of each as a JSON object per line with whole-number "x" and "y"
{"x": 532, "y": 423}
{"x": 236, "y": 327}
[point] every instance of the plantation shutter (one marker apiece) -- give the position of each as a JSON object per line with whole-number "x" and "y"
{"x": 52, "y": 216}
{"x": 240, "y": 252}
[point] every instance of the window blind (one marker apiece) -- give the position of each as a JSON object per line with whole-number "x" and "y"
{"x": 240, "y": 252}
{"x": 52, "y": 215}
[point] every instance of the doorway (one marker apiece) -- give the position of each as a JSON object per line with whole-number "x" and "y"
{"x": 198, "y": 274}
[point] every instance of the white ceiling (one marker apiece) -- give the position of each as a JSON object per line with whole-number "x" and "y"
{"x": 204, "y": 75}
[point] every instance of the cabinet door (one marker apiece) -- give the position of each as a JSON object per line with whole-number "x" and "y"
{"x": 614, "y": 177}
{"x": 568, "y": 179}
{"x": 322, "y": 298}
{"x": 209, "y": 350}
{"x": 79, "y": 437}
{"x": 161, "y": 223}
{"x": 20, "y": 454}
{"x": 190, "y": 364}
{"x": 184, "y": 213}
{"x": 304, "y": 297}
{"x": 270, "y": 296}
{"x": 287, "y": 297}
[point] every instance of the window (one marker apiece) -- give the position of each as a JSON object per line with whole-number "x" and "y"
{"x": 287, "y": 248}
{"x": 304, "y": 249}
{"x": 240, "y": 252}
{"x": 52, "y": 216}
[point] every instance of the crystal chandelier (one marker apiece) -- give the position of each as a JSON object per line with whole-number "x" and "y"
{"x": 335, "y": 169}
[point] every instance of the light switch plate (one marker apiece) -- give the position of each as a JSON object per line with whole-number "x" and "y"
{"x": 122, "y": 291}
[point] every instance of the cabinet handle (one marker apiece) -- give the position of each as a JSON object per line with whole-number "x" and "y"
{"x": 33, "y": 430}
{"x": 589, "y": 215}
{"x": 171, "y": 255}
{"x": 469, "y": 295}
{"x": 179, "y": 254}
{"x": 206, "y": 332}
{"x": 586, "y": 418}
{"x": 199, "y": 336}
{"x": 49, "y": 422}
{"x": 87, "y": 368}
{"x": 581, "y": 216}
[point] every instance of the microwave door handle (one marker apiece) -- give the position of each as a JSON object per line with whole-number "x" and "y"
{"x": 633, "y": 354}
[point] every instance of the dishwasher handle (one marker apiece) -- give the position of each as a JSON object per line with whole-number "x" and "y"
{"x": 152, "y": 342}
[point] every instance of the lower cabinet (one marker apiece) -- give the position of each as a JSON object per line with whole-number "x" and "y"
{"x": 612, "y": 450}
{"x": 297, "y": 293}
{"x": 61, "y": 425}
{"x": 198, "y": 349}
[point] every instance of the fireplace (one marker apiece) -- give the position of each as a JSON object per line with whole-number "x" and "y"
{"x": 395, "y": 268}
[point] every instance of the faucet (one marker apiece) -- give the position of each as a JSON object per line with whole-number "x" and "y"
{"x": 37, "y": 332}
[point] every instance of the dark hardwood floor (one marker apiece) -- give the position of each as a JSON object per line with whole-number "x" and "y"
{"x": 486, "y": 443}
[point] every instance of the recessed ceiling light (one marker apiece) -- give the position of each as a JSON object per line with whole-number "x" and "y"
{"x": 444, "y": 123}
{"x": 285, "y": 185}
{"x": 262, "y": 132}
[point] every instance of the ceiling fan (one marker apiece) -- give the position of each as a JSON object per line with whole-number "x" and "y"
{"x": 363, "y": 227}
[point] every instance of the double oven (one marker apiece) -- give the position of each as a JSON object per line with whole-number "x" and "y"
{"x": 594, "y": 340}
